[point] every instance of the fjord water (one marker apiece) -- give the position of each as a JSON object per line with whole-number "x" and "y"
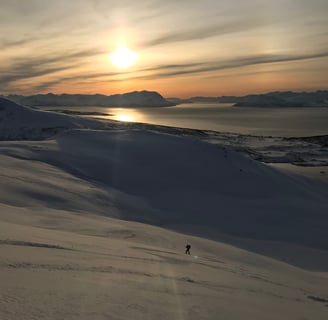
{"x": 222, "y": 117}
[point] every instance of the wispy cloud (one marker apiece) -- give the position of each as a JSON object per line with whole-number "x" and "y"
{"x": 78, "y": 78}
{"x": 245, "y": 61}
{"x": 48, "y": 43}
{"x": 6, "y": 43}
{"x": 28, "y": 39}
{"x": 205, "y": 32}
{"x": 22, "y": 68}
{"x": 176, "y": 70}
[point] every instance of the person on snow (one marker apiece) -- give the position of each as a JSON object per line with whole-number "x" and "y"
{"x": 188, "y": 246}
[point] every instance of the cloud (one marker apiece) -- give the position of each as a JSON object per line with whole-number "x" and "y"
{"x": 153, "y": 73}
{"x": 205, "y": 32}
{"x": 5, "y": 43}
{"x": 246, "y": 61}
{"x": 22, "y": 68}
{"x": 174, "y": 70}
{"x": 28, "y": 38}
{"x": 77, "y": 78}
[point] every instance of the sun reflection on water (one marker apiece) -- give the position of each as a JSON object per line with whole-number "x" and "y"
{"x": 124, "y": 117}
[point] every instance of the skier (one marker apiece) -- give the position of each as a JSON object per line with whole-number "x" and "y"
{"x": 188, "y": 246}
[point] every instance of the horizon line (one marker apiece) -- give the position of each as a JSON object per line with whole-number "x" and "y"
{"x": 168, "y": 97}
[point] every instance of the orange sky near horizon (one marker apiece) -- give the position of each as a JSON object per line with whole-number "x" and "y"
{"x": 183, "y": 48}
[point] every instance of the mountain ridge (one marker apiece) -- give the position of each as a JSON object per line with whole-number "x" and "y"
{"x": 317, "y": 98}
{"x": 134, "y": 99}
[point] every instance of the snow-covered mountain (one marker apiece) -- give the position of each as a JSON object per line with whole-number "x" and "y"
{"x": 271, "y": 99}
{"x": 132, "y": 99}
{"x": 285, "y": 99}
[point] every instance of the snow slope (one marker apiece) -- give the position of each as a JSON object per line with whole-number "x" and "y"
{"x": 57, "y": 264}
{"x": 184, "y": 182}
{"x": 18, "y": 122}
{"x": 68, "y": 251}
{"x": 178, "y": 182}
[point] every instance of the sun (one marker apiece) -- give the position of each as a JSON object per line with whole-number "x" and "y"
{"x": 123, "y": 57}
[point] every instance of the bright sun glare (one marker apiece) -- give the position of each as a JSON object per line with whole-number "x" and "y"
{"x": 124, "y": 117}
{"x": 123, "y": 57}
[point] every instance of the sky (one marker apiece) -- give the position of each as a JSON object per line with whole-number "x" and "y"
{"x": 184, "y": 48}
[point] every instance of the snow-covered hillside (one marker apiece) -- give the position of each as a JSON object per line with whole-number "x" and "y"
{"x": 164, "y": 179}
{"x": 94, "y": 220}
{"x": 182, "y": 182}
{"x": 58, "y": 264}
{"x": 18, "y": 122}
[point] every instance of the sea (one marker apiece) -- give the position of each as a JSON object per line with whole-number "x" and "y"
{"x": 221, "y": 117}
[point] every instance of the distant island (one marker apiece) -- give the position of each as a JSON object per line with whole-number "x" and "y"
{"x": 271, "y": 99}
{"x": 134, "y": 99}
{"x": 145, "y": 99}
